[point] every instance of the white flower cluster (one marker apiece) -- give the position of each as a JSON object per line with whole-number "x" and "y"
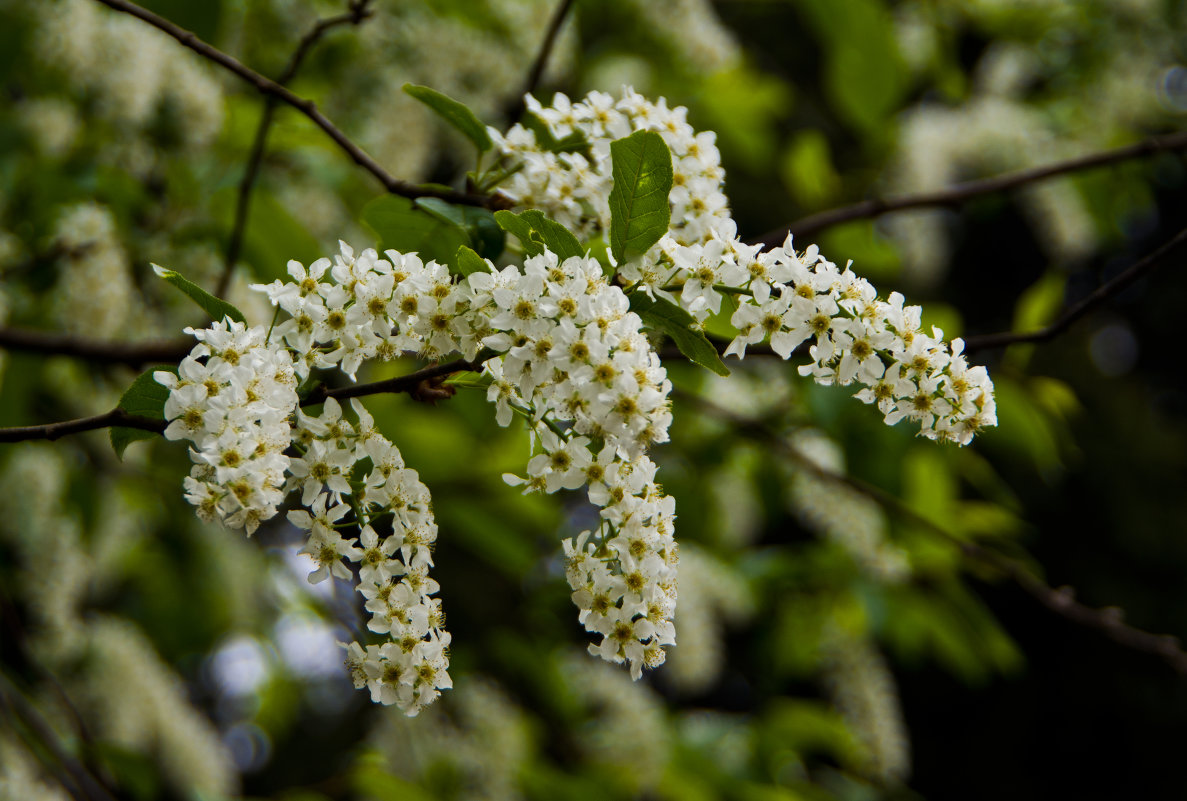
{"x": 232, "y": 398}
{"x": 572, "y": 359}
{"x": 783, "y": 297}
{"x": 235, "y": 398}
{"x": 411, "y": 668}
{"x": 576, "y": 363}
{"x": 573, "y": 188}
{"x": 790, "y": 298}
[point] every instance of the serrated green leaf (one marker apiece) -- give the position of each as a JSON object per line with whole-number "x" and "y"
{"x": 522, "y": 230}
{"x": 453, "y": 112}
{"x": 403, "y": 227}
{"x": 556, "y": 237}
{"x": 215, "y": 307}
{"x": 538, "y": 232}
{"x": 669, "y": 319}
{"x": 469, "y": 262}
{"x": 441, "y": 209}
{"x": 639, "y": 210}
{"x": 145, "y": 398}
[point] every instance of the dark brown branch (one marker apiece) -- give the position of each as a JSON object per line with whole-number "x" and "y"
{"x": 307, "y": 107}
{"x": 541, "y": 62}
{"x": 410, "y": 383}
{"x": 129, "y": 353}
{"x": 52, "y": 431}
{"x": 358, "y": 12}
{"x": 962, "y": 193}
{"x": 405, "y": 383}
{"x": 1062, "y": 601}
{"x": 1103, "y": 293}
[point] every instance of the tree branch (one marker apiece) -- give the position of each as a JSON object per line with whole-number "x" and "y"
{"x": 358, "y": 12}
{"x": 962, "y": 193}
{"x": 130, "y": 353}
{"x": 410, "y": 383}
{"x": 307, "y": 107}
{"x": 404, "y": 383}
{"x": 52, "y": 431}
{"x": 1109, "y": 621}
{"x": 1074, "y": 313}
{"x": 541, "y": 62}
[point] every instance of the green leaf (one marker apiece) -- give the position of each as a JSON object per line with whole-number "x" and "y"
{"x": 215, "y": 307}
{"x": 454, "y": 113}
{"x": 408, "y": 229}
{"x": 486, "y": 237}
{"x": 668, "y": 318}
{"x": 538, "y": 232}
{"x": 145, "y": 398}
{"x": 483, "y": 233}
{"x": 442, "y": 210}
{"x": 512, "y": 223}
{"x": 470, "y": 262}
{"x": 639, "y": 210}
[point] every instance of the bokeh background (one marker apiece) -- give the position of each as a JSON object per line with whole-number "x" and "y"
{"x": 830, "y": 648}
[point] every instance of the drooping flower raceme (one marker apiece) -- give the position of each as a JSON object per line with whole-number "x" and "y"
{"x": 574, "y": 361}
{"x": 788, "y": 299}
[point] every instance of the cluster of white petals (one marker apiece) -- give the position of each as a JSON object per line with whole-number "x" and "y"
{"x": 393, "y": 513}
{"x": 788, "y": 299}
{"x": 564, "y": 351}
{"x": 232, "y": 397}
{"x": 573, "y": 188}
{"x": 574, "y": 361}
{"x": 783, "y": 297}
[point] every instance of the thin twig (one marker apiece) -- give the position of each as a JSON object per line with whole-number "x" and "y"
{"x": 541, "y": 62}
{"x": 358, "y": 12}
{"x": 961, "y": 193}
{"x": 1109, "y": 621}
{"x": 307, "y": 107}
{"x": 74, "y": 776}
{"x": 1074, "y": 313}
{"x": 118, "y": 417}
{"x": 129, "y": 353}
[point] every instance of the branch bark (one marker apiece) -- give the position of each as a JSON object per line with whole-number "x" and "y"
{"x": 411, "y": 383}
{"x": 271, "y": 88}
{"x": 962, "y": 193}
{"x": 129, "y": 353}
{"x": 358, "y": 12}
{"x": 541, "y": 62}
{"x": 1109, "y": 621}
{"x": 1075, "y": 312}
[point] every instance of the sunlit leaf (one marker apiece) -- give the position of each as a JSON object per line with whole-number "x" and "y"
{"x": 673, "y": 321}
{"x": 215, "y": 307}
{"x": 639, "y": 210}
{"x": 453, "y": 112}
